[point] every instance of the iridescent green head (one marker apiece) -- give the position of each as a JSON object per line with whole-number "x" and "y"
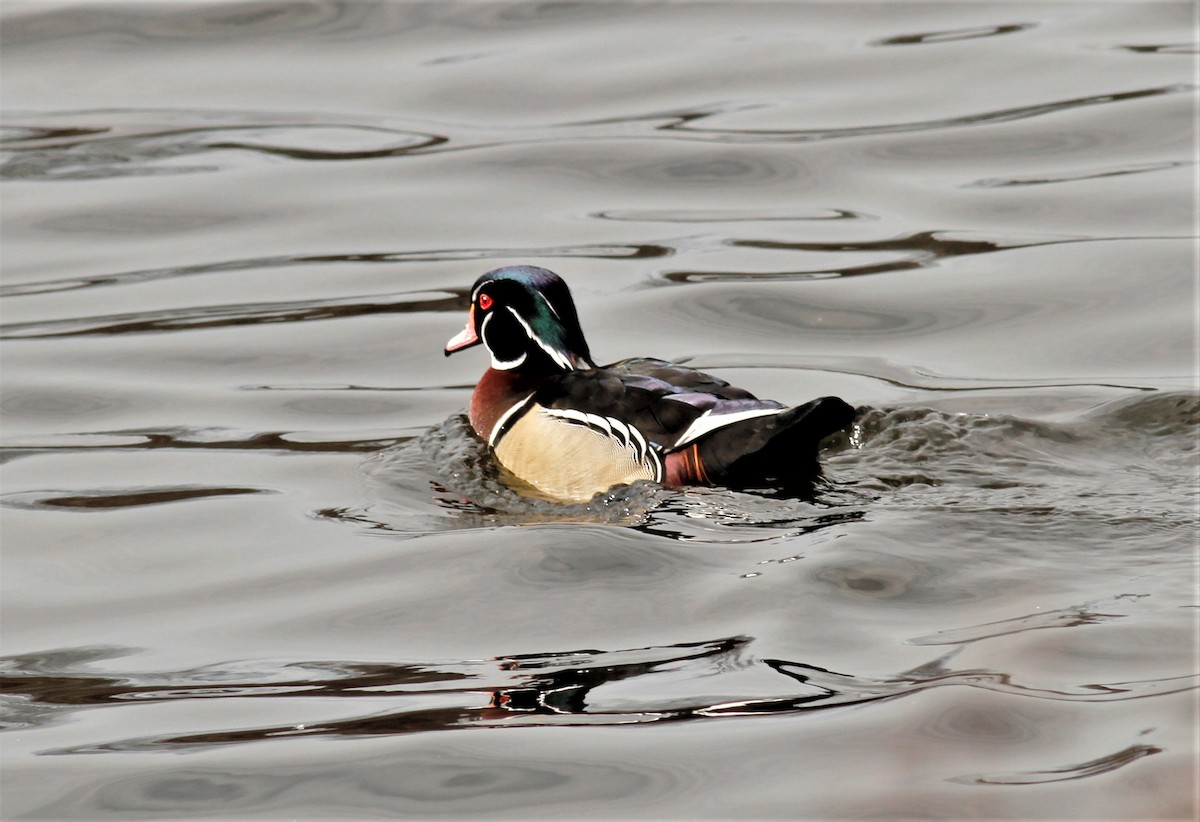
{"x": 526, "y": 318}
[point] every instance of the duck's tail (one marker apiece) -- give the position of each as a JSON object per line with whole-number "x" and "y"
{"x": 773, "y": 451}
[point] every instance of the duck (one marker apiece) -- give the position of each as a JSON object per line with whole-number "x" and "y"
{"x": 568, "y": 429}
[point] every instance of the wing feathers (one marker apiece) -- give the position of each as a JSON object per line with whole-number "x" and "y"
{"x": 629, "y": 437}
{"x": 709, "y": 422}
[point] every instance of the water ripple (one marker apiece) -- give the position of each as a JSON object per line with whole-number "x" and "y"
{"x": 155, "y": 153}
{"x": 692, "y": 215}
{"x": 109, "y": 499}
{"x": 1105, "y": 466}
{"x": 447, "y": 480}
{"x": 139, "y": 150}
{"x": 204, "y": 23}
{"x": 1093, "y": 767}
{"x": 1076, "y": 176}
{"x": 919, "y": 250}
{"x": 686, "y": 122}
{"x": 952, "y": 35}
{"x": 29, "y": 134}
{"x": 1063, "y": 618}
{"x": 219, "y": 316}
{"x": 1164, "y": 48}
{"x": 596, "y": 251}
{"x": 202, "y": 438}
{"x": 557, "y": 688}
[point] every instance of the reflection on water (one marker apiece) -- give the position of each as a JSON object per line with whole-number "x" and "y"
{"x": 953, "y": 34}
{"x": 241, "y": 503}
{"x": 460, "y": 303}
{"x": 99, "y": 500}
{"x": 227, "y": 315}
{"x": 1103, "y": 764}
{"x": 524, "y": 690}
{"x": 916, "y": 251}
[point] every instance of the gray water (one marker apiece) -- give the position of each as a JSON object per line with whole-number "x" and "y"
{"x": 254, "y": 565}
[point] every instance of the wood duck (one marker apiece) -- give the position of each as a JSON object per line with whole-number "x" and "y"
{"x": 570, "y": 428}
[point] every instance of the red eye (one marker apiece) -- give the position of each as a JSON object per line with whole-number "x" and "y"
{"x": 485, "y": 302}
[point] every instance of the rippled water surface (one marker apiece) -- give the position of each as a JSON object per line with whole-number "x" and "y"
{"x": 243, "y": 518}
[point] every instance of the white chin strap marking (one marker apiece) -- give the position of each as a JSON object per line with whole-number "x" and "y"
{"x": 497, "y": 363}
{"x": 559, "y": 357}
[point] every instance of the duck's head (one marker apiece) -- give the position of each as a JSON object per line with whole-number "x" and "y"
{"x": 525, "y": 317}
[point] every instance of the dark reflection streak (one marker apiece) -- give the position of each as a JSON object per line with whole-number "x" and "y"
{"x": 1060, "y": 618}
{"x": 1164, "y": 48}
{"x": 450, "y": 719}
{"x": 139, "y": 155}
{"x": 951, "y": 35}
{"x": 523, "y": 690}
{"x": 126, "y": 500}
{"x": 267, "y": 441}
{"x": 222, "y": 316}
{"x": 1112, "y": 692}
{"x": 682, "y": 122}
{"x": 1092, "y": 767}
{"x": 993, "y": 182}
{"x": 352, "y": 387}
{"x": 686, "y": 276}
{"x": 819, "y": 522}
{"x": 928, "y": 243}
{"x": 925, "y": 249}
{"x": 668, "y": 513}
{"x": 147, "y": 275}
{"x": 684, "y": 216}
{"x": 607, "y": 251}
{"x": 426, "y": 139}
{"x": 312, "y": 154}
{"x": 559, "y": 690}
{"x": 30, "y": 133}
{"x": 558, "y": 699}
{"x": 360, "y": 680}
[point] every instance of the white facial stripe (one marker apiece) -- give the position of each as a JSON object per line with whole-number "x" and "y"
{"x": 709, "y": 421}
{"x": 553, "y": 353}
{"x": 548, "y": 305}
{"x": 480, "y": 287}
{"x": 506, "y": 365}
